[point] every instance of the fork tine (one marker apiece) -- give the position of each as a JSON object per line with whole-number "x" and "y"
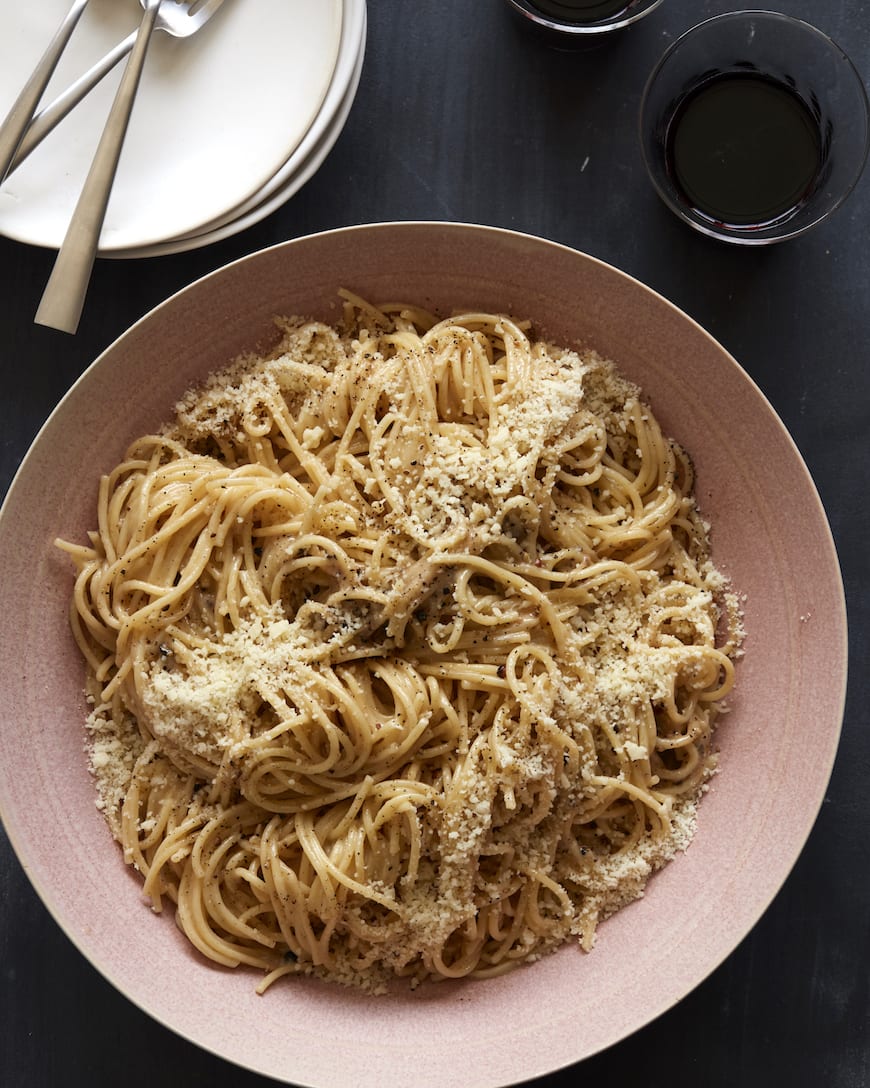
{"x": 193, "y": 9}
{"x": 202, "y": 9}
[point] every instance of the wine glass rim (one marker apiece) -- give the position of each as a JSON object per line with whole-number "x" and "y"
{"x": 539, "y": 18}
{"x": 756, "y": 13}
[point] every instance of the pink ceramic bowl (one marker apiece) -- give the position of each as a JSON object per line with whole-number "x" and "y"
{"x": 777, "y": 746}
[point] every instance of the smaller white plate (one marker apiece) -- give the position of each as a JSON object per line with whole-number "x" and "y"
{"x": 215, "y": 117}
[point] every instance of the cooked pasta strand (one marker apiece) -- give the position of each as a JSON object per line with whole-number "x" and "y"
{"x": 406, "y": 650}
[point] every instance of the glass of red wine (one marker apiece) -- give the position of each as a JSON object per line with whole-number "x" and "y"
{"x": 754, "y": 127}
{"x": 569, "y": 23}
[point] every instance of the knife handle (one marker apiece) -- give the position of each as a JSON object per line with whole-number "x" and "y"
{"x": 64, "y": 296}
{"x": 19, "y": 117}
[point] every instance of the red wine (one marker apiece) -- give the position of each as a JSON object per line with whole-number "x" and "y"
{"x": 580, "y": 11}
{"x": 744, "y": 149}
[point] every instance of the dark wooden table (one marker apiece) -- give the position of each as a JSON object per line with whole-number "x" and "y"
{"x": 462, "y": 116}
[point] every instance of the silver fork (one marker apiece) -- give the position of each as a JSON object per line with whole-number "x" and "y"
{"x": 64, "y": 295}
{"x": 180, "y": 18}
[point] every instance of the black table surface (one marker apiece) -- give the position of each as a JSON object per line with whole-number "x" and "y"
{"x": 461, "y": 115}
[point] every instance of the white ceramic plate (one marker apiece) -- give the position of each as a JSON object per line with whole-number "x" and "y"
{"x": 305, "y": 161}
{"x": 777, "y": 743}
{"x": 216, "y": 115}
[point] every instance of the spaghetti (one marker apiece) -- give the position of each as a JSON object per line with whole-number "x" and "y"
{"x": 402, "y": 645}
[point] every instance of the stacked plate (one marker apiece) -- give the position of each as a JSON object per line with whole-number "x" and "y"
{"x": 227, "y": 126}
